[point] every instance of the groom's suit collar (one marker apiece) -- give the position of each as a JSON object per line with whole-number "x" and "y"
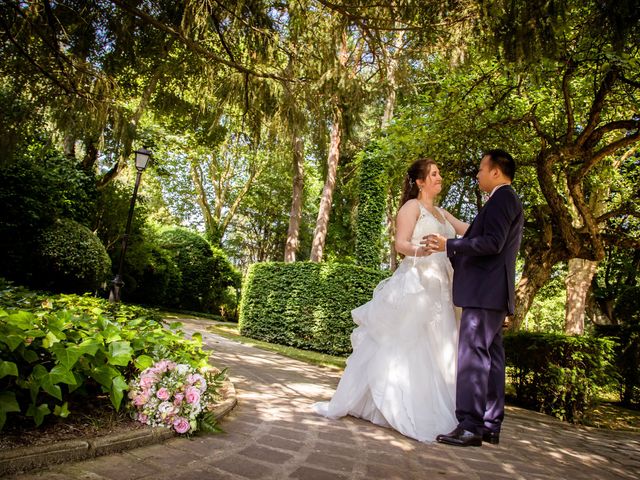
{"x": 497, "y": 187}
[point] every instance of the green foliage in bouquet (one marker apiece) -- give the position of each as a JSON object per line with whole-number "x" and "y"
{"x": 55, "y": 350}
{"x": 305, "y": 305}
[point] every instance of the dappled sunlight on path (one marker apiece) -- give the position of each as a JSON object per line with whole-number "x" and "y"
{"x": 273, "y": 434}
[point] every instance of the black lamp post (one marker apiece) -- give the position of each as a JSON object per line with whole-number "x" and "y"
{"x": 142, "y": 159}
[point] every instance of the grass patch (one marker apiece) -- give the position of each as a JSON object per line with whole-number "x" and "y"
{"x": 230, "y": 330}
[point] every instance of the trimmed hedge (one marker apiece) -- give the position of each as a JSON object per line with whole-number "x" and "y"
{"x": 371, "y": 204}
{"x": 305, "y": 305}
{"x": 558, "y": 374}
{"x": 71, "y": 258}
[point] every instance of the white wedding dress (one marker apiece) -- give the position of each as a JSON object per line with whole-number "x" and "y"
{"x": 402, "y": 372}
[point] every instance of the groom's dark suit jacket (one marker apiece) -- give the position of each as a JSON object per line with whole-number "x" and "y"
{"x": 484, "y": 259}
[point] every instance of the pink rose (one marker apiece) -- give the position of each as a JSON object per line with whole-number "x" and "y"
{"x": 178, "y": 398}
{"x": 147, "y": 381}
{"x": 192, "y": 395}
{"x": 163, "y": 394}
{"x": 142, "y": 418}
{"x": 181, "y": 425}
{"x": 140, "y": 400}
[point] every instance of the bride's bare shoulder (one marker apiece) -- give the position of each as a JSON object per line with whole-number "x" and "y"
{"x": 411, "y": 207}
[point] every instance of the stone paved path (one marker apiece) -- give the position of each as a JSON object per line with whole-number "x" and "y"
{"x": 272, "y": 434}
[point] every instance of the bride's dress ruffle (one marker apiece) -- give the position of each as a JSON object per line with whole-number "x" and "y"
{"x": 403, "y": 367}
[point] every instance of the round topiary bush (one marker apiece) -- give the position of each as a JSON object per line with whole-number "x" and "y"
{"x": 206, "y": 271}
{"x": 71, "y": 258}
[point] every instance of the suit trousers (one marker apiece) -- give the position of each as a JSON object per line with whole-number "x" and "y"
{"x": 481, "y": 370}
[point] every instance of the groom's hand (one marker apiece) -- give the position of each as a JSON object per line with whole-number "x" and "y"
{"x": 434, "y": 242}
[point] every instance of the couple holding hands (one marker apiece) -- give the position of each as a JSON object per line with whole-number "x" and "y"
{"x": 418, "y": 365}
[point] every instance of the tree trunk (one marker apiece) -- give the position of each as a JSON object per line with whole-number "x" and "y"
{"x": 578, "y": 280}
{"x": 536, "y": 272}
{"x": 322, "y": 223}
{"x": 293, "y": 242}
{"x": 392, "y": 86}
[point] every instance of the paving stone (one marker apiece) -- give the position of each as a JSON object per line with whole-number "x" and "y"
{"x": 280, "y": 443}
{"x": 330, "y": 462}
{"x": 308, "y": 473}
{"x": 242, "y": 466}
{"x": 265, "y": 454}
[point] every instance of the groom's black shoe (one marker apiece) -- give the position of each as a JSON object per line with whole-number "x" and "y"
{"x": 491, "y": 437}
{"x": 461, "y": 438}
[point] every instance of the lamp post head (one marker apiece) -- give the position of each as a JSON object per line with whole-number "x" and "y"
{"x": 142, "y": 158}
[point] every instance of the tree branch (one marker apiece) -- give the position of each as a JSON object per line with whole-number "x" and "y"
{"x": 571, "y": 124}
{"x": 596, "y": 157}
{"x": 195, "y": 46}
{"x": 596, "y": 107}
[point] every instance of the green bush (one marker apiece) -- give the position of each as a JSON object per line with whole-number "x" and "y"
{"x": 33, "y": 194}
{"x": 627, "y": 359}
{"x": 371, "y": 204}
{"x": 159, "y": 280}
{"x": 71, "y": 258}
{"x": 206, "y": 271}
{"x": 58, "y": 350}
{"x": 627, "y": 308}
{"x": 558, "y": 374}
{"x": 305, "y": 305}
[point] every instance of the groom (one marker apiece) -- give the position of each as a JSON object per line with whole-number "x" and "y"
{"x": 484, "y": 262}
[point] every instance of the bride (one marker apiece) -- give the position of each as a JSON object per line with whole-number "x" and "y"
{"x": 402, "y": 372}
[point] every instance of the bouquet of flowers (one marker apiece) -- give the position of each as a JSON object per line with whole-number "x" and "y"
{"x": 174, "y": 395}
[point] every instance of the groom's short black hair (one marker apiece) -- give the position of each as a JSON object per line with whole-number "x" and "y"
{"x": 502, "y": 160}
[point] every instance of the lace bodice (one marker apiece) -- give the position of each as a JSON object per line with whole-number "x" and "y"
{"x": 427, "y": 224}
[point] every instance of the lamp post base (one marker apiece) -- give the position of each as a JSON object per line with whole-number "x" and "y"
{"x": 116, "y": 285}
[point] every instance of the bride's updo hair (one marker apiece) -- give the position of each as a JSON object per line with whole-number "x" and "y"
{"x": 419, "y": 170}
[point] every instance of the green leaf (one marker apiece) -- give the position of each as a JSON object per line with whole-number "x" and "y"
{"x": 118, "y": 387}
{"x": 175, "y": 325}
{"x": 120, "y": 353}
{"x": 8, "y": 402}
{"x": 62, "y": 410}
{"x": 66, "y": 355}
{"x": 22, "y": 320}
{"x": 143, "y": 362}
{"x": 29, "y": 355}
{"x": 104, "y": 374}
{"x": 90, "y": 346}
{"x": 8, "y": 368}
{"x": 51, "y": 388}
{"x": 197, "y": 337}
{"x": 62, "y": 374}
{"x": 38, "y": 413}
{"x": 50, "y": 340}
{"x": 13, "y": 341}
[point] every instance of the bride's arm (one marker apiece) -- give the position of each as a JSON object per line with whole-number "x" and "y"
{"x": 405, "y": 223}
{"x": 458, "y": 225}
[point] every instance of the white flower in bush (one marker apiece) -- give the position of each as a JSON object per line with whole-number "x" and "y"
{"x": 172, "y": 395}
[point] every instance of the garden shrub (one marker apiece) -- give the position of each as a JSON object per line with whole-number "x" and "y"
{"x": 557, "y": 374}
{"x": 627, "y": 359}
{"x": 159, "y": 280}
{"x": 71, "y": 258}
{"x": 371, "y": 204}
{"x": 305, "y": 305}
{"x": 33, "y": 194}
{"x": 58, "y": 350}
{"x": 206, "y": 271}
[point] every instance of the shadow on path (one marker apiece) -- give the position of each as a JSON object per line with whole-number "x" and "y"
{"x": 273, "y": 434}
